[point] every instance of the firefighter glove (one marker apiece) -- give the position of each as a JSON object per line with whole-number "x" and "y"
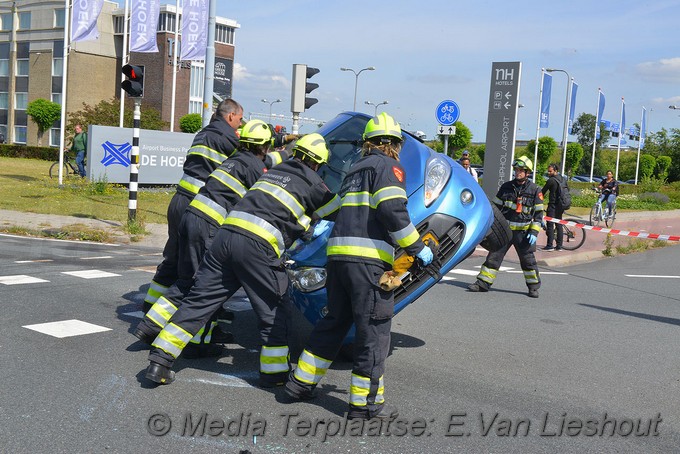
{"x": 290, "y": 137}
{"x": 531, "y": 238}
{"x": 425, "y": 255}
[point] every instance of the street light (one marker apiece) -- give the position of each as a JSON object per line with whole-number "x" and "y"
{"x": 566, "y": 114}
{"x": 376, "y": 105}
{"x": 271, "y": 103}
{"x": 356, "y": 81}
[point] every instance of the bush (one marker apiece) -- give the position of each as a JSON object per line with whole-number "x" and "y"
{"x": 654, "y": 197}
{"x": 191, "y": 123}
{"x": 23, "y": 151}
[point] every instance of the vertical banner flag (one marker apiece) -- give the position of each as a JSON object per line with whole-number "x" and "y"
{"x": 643, "y": 128}
{"x": 600, "y": 111}
{"x": 623, "y": 116}
{"x": 572, "y": 106}
{"x": 143, "y": 25}
{"x": 545, "y": 100}
{"x": 84, "y": 20}
{"x": 194, "y": 29}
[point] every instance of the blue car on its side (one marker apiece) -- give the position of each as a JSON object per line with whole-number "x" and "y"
{"x": 444, "y": 201}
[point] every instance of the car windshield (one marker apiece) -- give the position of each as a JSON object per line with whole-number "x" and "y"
{"x": 344, "y": 138}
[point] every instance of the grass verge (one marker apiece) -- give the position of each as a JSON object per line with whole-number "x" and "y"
{"x": 78, "y": 232}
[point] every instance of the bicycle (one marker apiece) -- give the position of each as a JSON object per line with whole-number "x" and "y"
{"x": 70, "y": 167}
{"x": 599, "y": 214}
{"x": 573, "y": 236}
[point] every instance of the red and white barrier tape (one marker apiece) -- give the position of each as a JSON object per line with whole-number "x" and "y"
{"x": 651, "y": 236}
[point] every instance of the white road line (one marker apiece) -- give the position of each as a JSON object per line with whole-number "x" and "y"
{"x": 67, "y": 328}
{"x": 34, "y": 261}
{"x": 657, "y": 276}
{"x": 20, "y": 279}
{"x": 96, "y": 258}
{"x": 464, "y": 272}
{"x": 502, "y": 268}
{"x": 90, "y": 274}
{"x": 448, "y": 278}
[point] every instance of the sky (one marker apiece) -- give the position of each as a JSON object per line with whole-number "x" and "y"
{"x": 427, "y": 52}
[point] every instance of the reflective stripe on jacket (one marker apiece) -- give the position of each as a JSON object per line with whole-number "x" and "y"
{"x": 527, "y": 198}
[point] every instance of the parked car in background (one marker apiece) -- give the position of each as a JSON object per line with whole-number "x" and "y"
{"x": 445, "y": 204}
{"x": 586, "y": 178}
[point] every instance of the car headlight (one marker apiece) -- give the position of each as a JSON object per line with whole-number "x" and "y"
{"x": 308, "y": 279}
{"x": 437, "y": 174}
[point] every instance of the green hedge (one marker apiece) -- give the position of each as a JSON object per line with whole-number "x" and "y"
{"x": 23, "y": 151}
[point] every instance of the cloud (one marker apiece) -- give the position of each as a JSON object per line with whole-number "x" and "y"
{"x": 665, "y": 70}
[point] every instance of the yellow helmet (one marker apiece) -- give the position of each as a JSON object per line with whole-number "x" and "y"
{"x": 312, "y": 146}
{"x": 256, "y": 132}
{"x": 523, "y": 163}
{"x": 383, "y": 126}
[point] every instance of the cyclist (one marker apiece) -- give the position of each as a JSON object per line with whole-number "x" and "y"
{"x": 609, "y": 188}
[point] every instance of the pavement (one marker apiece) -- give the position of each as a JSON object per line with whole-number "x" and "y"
{"x": 661, "y": 222}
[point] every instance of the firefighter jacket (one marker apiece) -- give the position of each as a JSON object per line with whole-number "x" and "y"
{"x": 226, "y": 186}
{"x": 211, "y": 146}
{"x": 522, "y": 205}
{"x": 277, "y": 209}
{"x": 373, "y": 218}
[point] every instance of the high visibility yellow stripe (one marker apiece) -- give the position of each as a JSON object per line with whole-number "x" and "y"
{"x": 257, "y": 230}
{"x": 359, "y": 389}
{"x": 329, "y": 208}
{"x": 208, "y": 153}
{"x": 361, "y": 252}
{"x": 406, "y": 236}
{"x": 209, "y": 207}
{"x": 155, "y": 291}
{"x": 161, "y": 312}
{"x": 172, "y": 339}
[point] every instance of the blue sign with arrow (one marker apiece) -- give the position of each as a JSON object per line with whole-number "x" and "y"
{"x": 447, "y": 112}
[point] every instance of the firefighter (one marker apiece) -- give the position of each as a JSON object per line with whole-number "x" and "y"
{"x": 372, "y": 220}
{"x": 225, "y": 187}
{"x": 248, "y": 252}
{"x": 521, "y": 202}
{"x": 211, "y": 146}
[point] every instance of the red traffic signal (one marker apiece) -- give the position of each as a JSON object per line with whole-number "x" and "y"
{"x": 134, "y": 85}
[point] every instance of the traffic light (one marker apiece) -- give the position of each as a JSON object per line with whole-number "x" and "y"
{"x": 134, "y": 85}
{"x": 299, "y": 102}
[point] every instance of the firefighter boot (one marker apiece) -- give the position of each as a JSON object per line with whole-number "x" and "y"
{"x": 533, "y": 293}
{"x": 478, "y": 286}
{"x": 144, "y": 333}
{"x": 194, "y": 351}
{"x": 160, "y": 374}
{"x": 384, "y": 412}
{"x": 297, "y": 391}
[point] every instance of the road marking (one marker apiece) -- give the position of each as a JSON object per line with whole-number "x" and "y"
{"x": 657, "y": 276}
{"x": 34, "y": 261}
{"x": 20, "y": 279}
{"x": 448, "y": 278}
{"x": 464, "y": 272}
{"x": 502, "y": 268}
{"x": 146, "y": 269}
{"x": 90, "y": 274}
{"x": 67, "y": 328}
{"x": 96, "y": 258}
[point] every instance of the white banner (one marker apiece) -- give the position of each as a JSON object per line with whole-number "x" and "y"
{"x": 143, "y": 25}
{"x": 194, "y": 29}
{"x": 84, "y": 20}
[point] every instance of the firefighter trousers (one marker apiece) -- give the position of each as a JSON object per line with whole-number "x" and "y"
{"x": 527, "y": 260}
{"x": 354, "y": 296}
{"x": 234, "y": 261}
{"x": 166, "y": 272}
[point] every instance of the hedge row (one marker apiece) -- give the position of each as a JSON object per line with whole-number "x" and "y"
{"x": 23, "y": 151}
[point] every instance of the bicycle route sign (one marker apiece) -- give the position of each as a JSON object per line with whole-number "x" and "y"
{"x": 447, "y": 113}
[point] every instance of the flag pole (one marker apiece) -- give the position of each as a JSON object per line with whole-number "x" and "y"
{"x": 618, "y": 148}
{"x": 124, "y": 60}
{"x": 64, "y": 70}
{"x": 597, "y": 122}
{"x": 567, "y": 113}
{"x": 642, "y": 131}
{"x": 174, "y": 68}
{"x": 538, "y": 125}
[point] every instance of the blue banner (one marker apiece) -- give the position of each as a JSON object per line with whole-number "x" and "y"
{"x": 572, "y": 107}
{"x": 143, "y": 25}
{"x": 600, "y": 111}
{"x": 545, "y": 100}
{"x": 623, "y": 115}
{"x": 84, "y": 20}
{"x": 194, "y": 29}
{"x": 643, "y": 127}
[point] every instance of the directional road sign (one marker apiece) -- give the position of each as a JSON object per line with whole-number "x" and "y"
{"x": 447, "y": 113}
{"x": 446, "y": 130}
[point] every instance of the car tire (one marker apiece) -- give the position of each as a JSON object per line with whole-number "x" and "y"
{"x": 499, "y": 234}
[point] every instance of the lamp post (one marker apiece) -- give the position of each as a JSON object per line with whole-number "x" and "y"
{"x": 566, "y": 114}
{"x": 356, "y": 81}
{"x": 376, "y": 105}
{"x": 271, "y": 103}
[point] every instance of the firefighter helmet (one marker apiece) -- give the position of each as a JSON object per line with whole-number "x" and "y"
{"x": 383, "y": 126}
{"x": 256, "y": 132}
{"x": 523, "y": 163}
{"x": 312, "y": 146}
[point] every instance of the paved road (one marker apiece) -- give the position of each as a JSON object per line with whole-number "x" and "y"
{"x": 598, "y": 348}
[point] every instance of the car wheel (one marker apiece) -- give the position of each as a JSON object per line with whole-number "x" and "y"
{"x": 499, "y": 234}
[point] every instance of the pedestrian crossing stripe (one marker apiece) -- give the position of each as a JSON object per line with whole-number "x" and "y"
{"x": 67, "y": 328}
{"x": 90, "y": 274}
{"x": 20, "y": 279}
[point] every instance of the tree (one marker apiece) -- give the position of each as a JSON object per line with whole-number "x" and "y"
{"x": 584, "y": 130}
{"x": 574, "y": 157}
{"x": 107, "y": 113}
{"x": 461, "y": 139}
{"x": 191, "y": 123}
{"x": 44, "y": 113}
{"x": 647, "y": 165}
{"x": 663, "y": 163}
{"x": 546, "y": 147}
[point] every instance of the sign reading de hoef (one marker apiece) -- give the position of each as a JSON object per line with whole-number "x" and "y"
{"x": 161, "y": 155}
{"x": 501, "y": 125}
